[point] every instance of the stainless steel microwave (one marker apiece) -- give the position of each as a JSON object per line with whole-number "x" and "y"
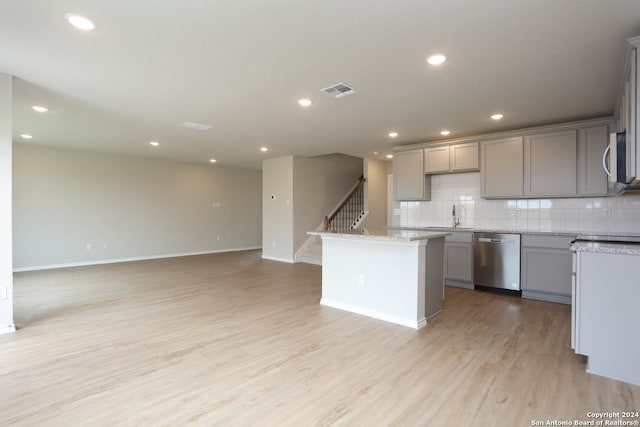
{"x": 618, "y": 162}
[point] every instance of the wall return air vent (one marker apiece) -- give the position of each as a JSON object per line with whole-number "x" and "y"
{"x": 338, "y": 90}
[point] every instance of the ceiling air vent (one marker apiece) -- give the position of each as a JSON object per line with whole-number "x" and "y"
{"x": 338, "y": 90}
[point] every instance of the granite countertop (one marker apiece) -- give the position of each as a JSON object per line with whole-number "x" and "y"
{"x": 487, "y": 230}
{"x": 383, "y": 235}
{"x": 606, "y": 248}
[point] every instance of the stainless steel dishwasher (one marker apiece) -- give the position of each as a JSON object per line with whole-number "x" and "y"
{"x": 496, "y": 261}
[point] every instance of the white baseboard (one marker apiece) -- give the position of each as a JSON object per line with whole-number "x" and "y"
{"x": 415, "y": 324}
{"x": 273, "y": 258}
{"x": 7, "y": 329}
{"x": 117, "y": 260}
{"x": 634, "y": 381}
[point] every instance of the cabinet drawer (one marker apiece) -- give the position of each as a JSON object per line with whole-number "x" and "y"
{"x": 541, "y": 241}
{"x": 459, "y": 237}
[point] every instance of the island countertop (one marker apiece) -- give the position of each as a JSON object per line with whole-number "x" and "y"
{"x": 606, "y": 248}
{"x": 382, "y": 235}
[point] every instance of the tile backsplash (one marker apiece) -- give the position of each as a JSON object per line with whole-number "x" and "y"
{"x": 618, "y": 214}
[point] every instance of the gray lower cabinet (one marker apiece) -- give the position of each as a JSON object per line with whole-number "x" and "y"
{"x": 550, "y": 161}
{"x": 409, "y": 180}
{"x": 502, "y": 168}
{"x": 458, "y": 259}
{"x": 546, "y": 268}
{"x": 592, "y": 180}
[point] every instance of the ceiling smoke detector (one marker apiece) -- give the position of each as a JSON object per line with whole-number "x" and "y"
{"x": 197, "y": 126}
{"x": 338, "y": 90}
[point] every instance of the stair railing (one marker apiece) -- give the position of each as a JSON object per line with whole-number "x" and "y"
{"x": 350, "y": 211}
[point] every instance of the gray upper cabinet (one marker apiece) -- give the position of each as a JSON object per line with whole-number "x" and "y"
{"x": 409, "y": 180}
{"x": 464, "y": 157}
{"x": 436, "y": 159}
{"x": 592, "y": 180}
{"x": 502, "y": 168}
{"x": 550, "y": 161}
{"x": 452, "y": 158}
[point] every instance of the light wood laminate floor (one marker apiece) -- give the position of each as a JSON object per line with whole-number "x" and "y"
{"x": 230, "y": 339}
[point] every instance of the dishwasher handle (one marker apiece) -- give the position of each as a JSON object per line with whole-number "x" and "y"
{"x": 489, "y": 240}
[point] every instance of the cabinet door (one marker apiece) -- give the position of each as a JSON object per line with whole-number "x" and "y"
{"x": 409, "y": 179}
{"x": 458, "y": 263}
{"x": 436, "y": 159}
{"x": 592, "y": 180}
{"x": 550, "y": 161}
{"x": 465, "y": 157}
{"x": 502, "y": 171}
{"x": 547, "y": 267}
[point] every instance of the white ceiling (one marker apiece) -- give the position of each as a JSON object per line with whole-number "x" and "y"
{"x": 241, "y": 66}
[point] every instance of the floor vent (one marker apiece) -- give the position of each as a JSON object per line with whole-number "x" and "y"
{"x": 338, "y": 90}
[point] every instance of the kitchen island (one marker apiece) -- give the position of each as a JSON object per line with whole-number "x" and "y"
{"x": 392, "y": 275}
{"x": 606, "y": 291}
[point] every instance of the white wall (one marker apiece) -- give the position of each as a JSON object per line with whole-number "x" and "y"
{"x": 319, "y": 185}
{"x": 375, "y": 193}
{"x": 6, "y": 263}
{"x": 619, "y": 214}
{"x": 277, "y": 209}
{"x": 127, "y": 207}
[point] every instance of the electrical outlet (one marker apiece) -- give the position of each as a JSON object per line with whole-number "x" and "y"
{"x": 89, "y": 246}
{"x": 516, "y": 213}
{"x": 361, "y": 280}
{"x": 3, "y": 292}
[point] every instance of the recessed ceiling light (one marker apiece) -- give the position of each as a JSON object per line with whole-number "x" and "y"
{"x": 375, "y": 153}
{"x": 393, "y": 134}
{"x": 304, "y": 102}
{"x": 40, "y": 109}
{"x": 436, "y": 59}
{"x": 445, "y": 132}
{"x": 389, "y": 156}
{"x": 80, "y": 22}
{"x": 212, "y": 160}
{"x": 264, "y": 149}
{"x": 26, "y": 136}
{"x": 154, "y": 143}
{"x": 497, "y": 116}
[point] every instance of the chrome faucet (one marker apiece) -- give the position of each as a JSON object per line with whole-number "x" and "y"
{"x": 456, "y": 221}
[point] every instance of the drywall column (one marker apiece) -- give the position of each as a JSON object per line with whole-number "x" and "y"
{"x": 375, "y": 194}
{"x": 6, "y": 242}
{"x": 277, "y": 209}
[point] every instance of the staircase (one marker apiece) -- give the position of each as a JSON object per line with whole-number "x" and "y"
{"x": 348, "y": 215}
